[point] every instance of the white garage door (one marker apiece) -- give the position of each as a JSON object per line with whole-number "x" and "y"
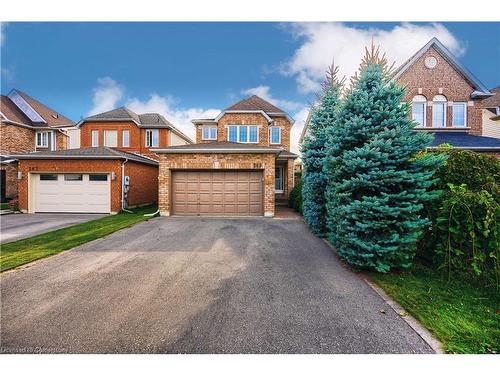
{"x": 72, "y": 192}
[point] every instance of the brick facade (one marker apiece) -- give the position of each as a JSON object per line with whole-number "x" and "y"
{"x": 143, "y": 193}
{"x": 137, "y": 136}
{"x": 16, "y": 139}
{"x": 250, "y": 119}
{"x": 199, "y": 161}
{"x": 445, "y": 80}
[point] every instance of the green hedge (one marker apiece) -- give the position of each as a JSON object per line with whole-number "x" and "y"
{"x": 295, "y": 200}
{"x": 463, "y": 239}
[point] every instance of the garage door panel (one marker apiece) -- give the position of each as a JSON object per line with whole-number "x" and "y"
{"x": 217, "y": 193}
{"x": 66, "y": 195}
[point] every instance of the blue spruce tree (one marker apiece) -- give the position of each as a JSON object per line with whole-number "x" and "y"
{"x": 376, "y": 184}
{"x": 323, "y": 116}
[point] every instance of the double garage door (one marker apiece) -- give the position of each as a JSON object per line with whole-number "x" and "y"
{"x": 217, "y": 193}
{"x": 72, "y": 192}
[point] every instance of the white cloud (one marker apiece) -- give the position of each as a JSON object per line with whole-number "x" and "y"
{"x": 323, "y": 42}
{"x": 106, "y": 95}
{"x": 300, "y": 119}
{"x": 167, "y": 106}
{"x": 263, "y": 92}
{"x": 2, "y": 32}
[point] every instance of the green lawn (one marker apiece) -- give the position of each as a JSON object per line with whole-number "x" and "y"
{"x": 20, "y": 252}
{"x": 464, "y": 317}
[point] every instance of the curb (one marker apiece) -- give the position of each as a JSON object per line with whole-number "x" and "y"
{"x": 430, "y": 340}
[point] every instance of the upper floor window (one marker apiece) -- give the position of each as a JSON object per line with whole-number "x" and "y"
{"x": 439, "y": 111}
{"x": 125, "y": 138}
{"x": 42, "y": 139}
{"x": 243, "y": 133}
{"x": 459, "y": 114}
{"x": 209, "y": 133}
{"x": 95, "y": 138}
{"x": 152, "y": 138}
{"x": 110, "y": 138}
{"x": 418, "y": 108}
{"x": 275, "y": 135}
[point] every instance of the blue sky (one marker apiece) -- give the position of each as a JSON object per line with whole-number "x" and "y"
{"x": 188, "y": 70}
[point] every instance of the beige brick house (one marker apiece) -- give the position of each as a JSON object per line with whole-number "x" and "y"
{"x": 241, "y": 164}
{"x": 26, "y": 125}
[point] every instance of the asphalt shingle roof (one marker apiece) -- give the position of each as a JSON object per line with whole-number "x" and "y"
{"x": 15, "y": 114}
{"x": 464, "y": 140}
{"x": 86, "y": 153}
{"x": 255, "y": 103}
{"x": 492, "y": 101}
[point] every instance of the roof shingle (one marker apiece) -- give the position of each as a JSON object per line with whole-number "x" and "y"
{"x": 255, "y": 103}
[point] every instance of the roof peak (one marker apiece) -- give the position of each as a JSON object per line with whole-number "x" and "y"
{"x": 255, "y": 103}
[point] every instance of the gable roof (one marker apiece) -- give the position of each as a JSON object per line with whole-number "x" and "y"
{"x": 494, "y": 100}
{"x": 481, "y": 89}
{"x": 252, "y": 104}
{"x": 145, "y": 120}
{"x": 255, "y": 103}
{"x": 87, "y": 153}
{"x": 20, "y": 108}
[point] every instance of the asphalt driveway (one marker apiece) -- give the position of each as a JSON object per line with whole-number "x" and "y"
{"x": 17, "y": 226}
{"x": 184, "y": 285}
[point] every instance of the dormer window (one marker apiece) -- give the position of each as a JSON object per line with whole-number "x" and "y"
{"x": 152, "y": 138}
{"x": 209, "y": 133}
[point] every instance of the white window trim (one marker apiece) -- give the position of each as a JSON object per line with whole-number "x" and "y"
{"x": 445, "y": 106}
{"x": 96, "y": 143}
{"x": 123, "y": 138}
{"x": 152, "y": 131}
{"x": 209, "y": 138}
{"x": 46, "y": 138}
{"x": 238, "y": 127}
{"x": 453, "y": 115}
{"x": 281, "y": 169}
{"x": 270, "y": 135}
{"x": 109, "y": 131}
{"x": 420, "y": 99}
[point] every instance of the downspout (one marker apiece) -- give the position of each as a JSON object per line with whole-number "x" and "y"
{"x": 123, "y": 187}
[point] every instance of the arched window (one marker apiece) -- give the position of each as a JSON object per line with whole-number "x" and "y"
{"x": 439, "y": 111}
{"x": 418, "y": 107}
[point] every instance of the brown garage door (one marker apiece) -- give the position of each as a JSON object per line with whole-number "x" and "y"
{"x": 217, "y": 193}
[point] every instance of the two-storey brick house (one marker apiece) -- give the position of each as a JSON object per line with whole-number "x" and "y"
{"x": 241, "y": 164}
{"x": 26, "y": 125}
{"x": 113, "y": 168}
{"x": 128, "y": 131}
{"x": 446, "y": 98}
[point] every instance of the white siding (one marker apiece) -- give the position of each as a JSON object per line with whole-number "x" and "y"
{"x": 490, "y": 128}
{"x": 175, "y": 140}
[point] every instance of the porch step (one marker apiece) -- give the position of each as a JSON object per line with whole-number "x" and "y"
{"x": 281, "y": 202}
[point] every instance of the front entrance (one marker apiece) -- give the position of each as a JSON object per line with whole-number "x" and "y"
{"x": 217, "y": 193}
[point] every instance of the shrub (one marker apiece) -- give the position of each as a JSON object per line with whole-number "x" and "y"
{"x": 14, "y": 204}
{"x": 463, "y": 239}
{"x": 295, "y": 200}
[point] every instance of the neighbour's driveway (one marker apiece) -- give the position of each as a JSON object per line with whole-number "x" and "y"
{"x": 192, "y": 285}
{"x": 17, "y": 226}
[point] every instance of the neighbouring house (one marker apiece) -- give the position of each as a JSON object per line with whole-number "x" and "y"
{"x": 241, "y": 164}
{"x": 91, "y": 180}
{"x": 446, "y": 99}
{"x": 27, "y": 125}
{"x": 113, "y": 169}
{"x": 128, "y": 131}
{"x": 491, "y": 114}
